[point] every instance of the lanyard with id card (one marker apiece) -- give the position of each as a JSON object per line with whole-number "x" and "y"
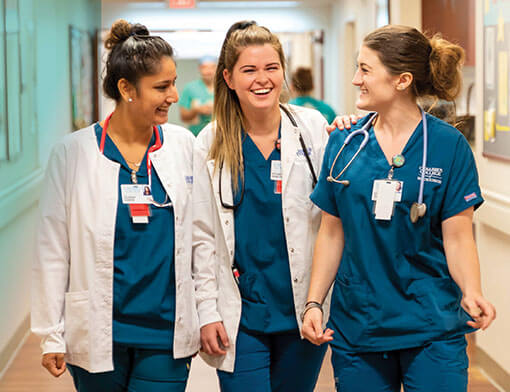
{"x": 137, "y": 196}
{"x": 386, "y": 192}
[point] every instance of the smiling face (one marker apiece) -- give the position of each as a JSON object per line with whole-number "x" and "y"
{"x": 156, "y": 93}
{"x": 378, "y": 88}
{"x": 257, "y": 78}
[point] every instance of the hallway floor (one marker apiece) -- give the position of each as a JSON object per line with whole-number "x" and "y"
{"x": 26, "y": 375}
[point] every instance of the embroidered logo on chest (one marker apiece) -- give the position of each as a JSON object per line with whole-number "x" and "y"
{"x": 432, "y": 174}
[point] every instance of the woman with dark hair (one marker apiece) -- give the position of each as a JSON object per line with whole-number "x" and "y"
{"x": 301, "y": 86}
{"x": 396, "y": 233}
{"x": 112, "y": 291}
{"x": 253, "y": 225}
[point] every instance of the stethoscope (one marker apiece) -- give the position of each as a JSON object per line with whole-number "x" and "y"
{"x": 418, "y": 208}
{"x": 292, "y": 120}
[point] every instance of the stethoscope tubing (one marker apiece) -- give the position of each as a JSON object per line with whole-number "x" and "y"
{"x": 364, "y": 132}
{"x": 305, "y": 152}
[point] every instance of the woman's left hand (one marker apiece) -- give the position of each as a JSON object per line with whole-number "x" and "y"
{"x": 481, "y": 310}
{"x": 342, "y": 122}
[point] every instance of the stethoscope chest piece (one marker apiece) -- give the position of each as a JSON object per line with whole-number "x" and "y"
{"x": 418, "y": 210}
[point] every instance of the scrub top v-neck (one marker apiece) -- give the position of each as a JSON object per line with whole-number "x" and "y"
{"x": 143, "y": 260}
{"x": 261, "y": 248}
{"x": 393, "y": 289}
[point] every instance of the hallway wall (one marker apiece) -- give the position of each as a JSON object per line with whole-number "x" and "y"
{"x": 493, "y": 231}
{"x": 18, "y": 206}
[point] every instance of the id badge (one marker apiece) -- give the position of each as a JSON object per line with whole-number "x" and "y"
{"x": 135, "y": 194}
{"x": 276, "y": 170}
{"x": 276, "y": 176}
{"x": 384, "y": 194}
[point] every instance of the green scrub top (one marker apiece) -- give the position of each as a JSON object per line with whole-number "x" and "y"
{"x": 261, "y": 248}
{"x": 196, "y": 93}
{"x": 393, "y": 289}
{"x": 143, "y": 263}
{"x": 310, "y": 102}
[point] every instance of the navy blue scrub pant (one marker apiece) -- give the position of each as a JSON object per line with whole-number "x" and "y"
{"x": 136, "y": 370}
{"x": 440, "y": 366}
{"x": 273, "y": 363}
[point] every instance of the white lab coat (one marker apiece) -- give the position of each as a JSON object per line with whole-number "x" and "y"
{"x": 73, "y": 270}
{"x": 218, "y": 297}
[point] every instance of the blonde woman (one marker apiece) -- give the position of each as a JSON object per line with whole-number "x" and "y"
{"x": 254, "y": 227}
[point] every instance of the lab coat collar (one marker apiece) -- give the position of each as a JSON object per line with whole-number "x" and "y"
{"x": 170, "y": 177}
{"x": 289, "y": 145}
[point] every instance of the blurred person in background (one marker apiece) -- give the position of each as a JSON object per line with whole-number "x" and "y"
{"x": 196, "y": 101}
{"x": 301, "y": 87}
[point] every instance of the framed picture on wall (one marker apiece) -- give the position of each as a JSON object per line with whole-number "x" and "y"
{"x": 83, "y": 71}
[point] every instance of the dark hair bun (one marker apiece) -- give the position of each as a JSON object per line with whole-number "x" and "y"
{"x": 121, "y": 30}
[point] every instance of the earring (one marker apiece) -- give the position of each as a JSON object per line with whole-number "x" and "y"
{"x": 130, "y": 99}
{"x": 400, "y": 88}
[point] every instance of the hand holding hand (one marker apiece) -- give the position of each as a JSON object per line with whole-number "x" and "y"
{"x": 481, "y": 310}
{"x": 312, "y": 328}
{"x": 54, "y": 363}
{"x": 342, "y": 122}
{"x": 214, "y": 339}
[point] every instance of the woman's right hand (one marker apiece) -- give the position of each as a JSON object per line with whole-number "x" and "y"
{"x": 214, "y": 339}
{"x": 54, "y": 363}
{"x": 312, "y": 328}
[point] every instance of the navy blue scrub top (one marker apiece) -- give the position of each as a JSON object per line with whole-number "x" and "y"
{"x": 261, "y": 248}
{"x": 143, "y": 261}
{"x": 393, "y": 289}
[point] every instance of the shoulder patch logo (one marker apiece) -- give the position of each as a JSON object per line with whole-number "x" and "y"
{"x": 470, "y": 197}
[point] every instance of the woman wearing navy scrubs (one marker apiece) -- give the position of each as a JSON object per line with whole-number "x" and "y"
{"x": 113, "y": 296}
{"x": 407, "y": 288}
{"x": 254, "y": 225}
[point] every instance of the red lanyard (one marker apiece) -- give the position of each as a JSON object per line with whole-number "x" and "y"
{"x": 155, "y": 147}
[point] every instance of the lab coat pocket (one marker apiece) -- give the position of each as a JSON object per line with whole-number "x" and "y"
{"x": 190, "y": 318}
{"x": 440, "y": 302}
{"x": 76, "y": 322}
{"x": 352, "y": 298}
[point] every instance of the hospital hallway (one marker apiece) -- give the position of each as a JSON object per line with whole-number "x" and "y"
{"x": 26, "y": 375}
{"x": 52, "y": 69}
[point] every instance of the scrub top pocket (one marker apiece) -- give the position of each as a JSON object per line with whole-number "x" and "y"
{"x": 440, "y": 301}
{"x": 352, "y": 298}
{"x": 255, "y": 314}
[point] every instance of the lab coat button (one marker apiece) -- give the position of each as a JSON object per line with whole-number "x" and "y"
{"x": 106, "y": 331}
{"x": 287, "y": 220}
{"x": 227, "y": 222}
{"x": 296, "y": 280}
{"x": 291, "y": 250}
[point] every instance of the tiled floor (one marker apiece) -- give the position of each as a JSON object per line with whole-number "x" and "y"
{"x": 26, "y": 375}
